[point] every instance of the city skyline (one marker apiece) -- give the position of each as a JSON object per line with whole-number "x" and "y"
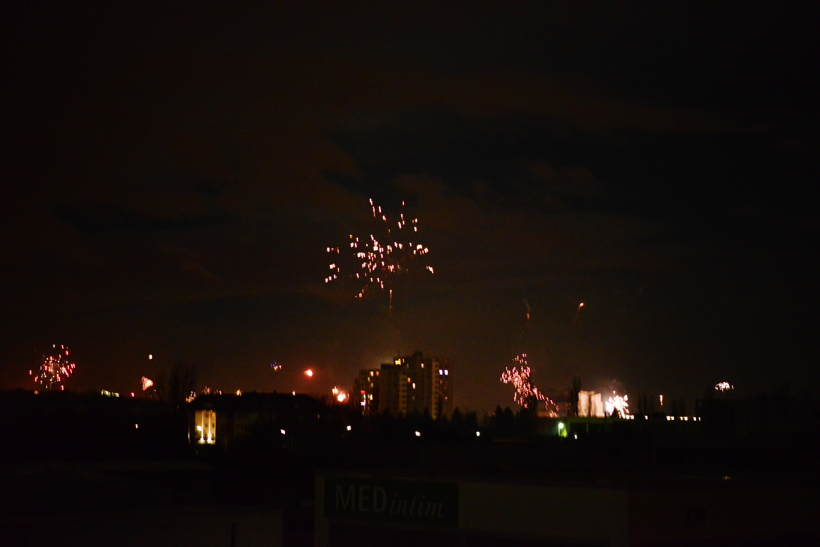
{"x": 176, "y": 176}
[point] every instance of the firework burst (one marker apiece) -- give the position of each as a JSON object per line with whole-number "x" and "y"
{"x": 54, "y": 369}
{"x": 618, "y": 404}
{"x": 526, "y": 393}
{"x": 375, "y": 261}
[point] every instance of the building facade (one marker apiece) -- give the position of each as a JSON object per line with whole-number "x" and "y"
{"x": 221, "y": 419}
{"x": 412, "y": 383}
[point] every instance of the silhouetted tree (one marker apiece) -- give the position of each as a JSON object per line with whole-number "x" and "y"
{"x": 645, "y": 405}
{"x": 574, "y": 393}
{"x": 455, "y": 427}
{"x": 176, "y": 384}
{"x": 678, "y": 407}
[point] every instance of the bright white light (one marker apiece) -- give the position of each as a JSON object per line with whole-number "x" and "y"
{"x": 618, "y": 404}
{"x": 349, "y": 428}
{"x": 418, "y": 433}
{"x": 282, "y": 431}
{"x": 478, "y": 433}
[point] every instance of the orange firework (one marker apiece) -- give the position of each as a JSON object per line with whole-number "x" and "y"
{"x": 378, "y": 258}
{"x": 54, "y": 369}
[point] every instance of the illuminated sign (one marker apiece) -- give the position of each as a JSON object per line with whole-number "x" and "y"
{"x": 407, "y": 501}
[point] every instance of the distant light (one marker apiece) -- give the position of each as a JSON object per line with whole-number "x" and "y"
{"x": 560, "y": 425}
{"x": 294, "y": 393}
{"x": 418, "y": 433}
{"x": 282, "y": 431}
{"x": 349, "y": 428}
{"x": 136, "y": 426}
{"x": 478, "y": 433}
{"x": 576, "y": 435}
{"x": 132, "y": 394}
{"x": 309, "y": 373}
{"x": 150, "y": 356}
{"x": 239, "y": 392}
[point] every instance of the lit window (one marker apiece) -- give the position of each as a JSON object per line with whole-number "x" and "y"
{"x": 205, "y": 426}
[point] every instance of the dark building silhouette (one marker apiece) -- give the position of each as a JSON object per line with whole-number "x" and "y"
{"x": 221, "y": 419}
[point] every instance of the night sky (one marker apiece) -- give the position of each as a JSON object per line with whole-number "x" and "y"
{"x": 173, "y": 175}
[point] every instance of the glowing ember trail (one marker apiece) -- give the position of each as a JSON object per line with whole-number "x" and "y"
{"x": 519, "y": 377}
{"x": 377, "y": 259}
{"x": 54, "y": 369}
